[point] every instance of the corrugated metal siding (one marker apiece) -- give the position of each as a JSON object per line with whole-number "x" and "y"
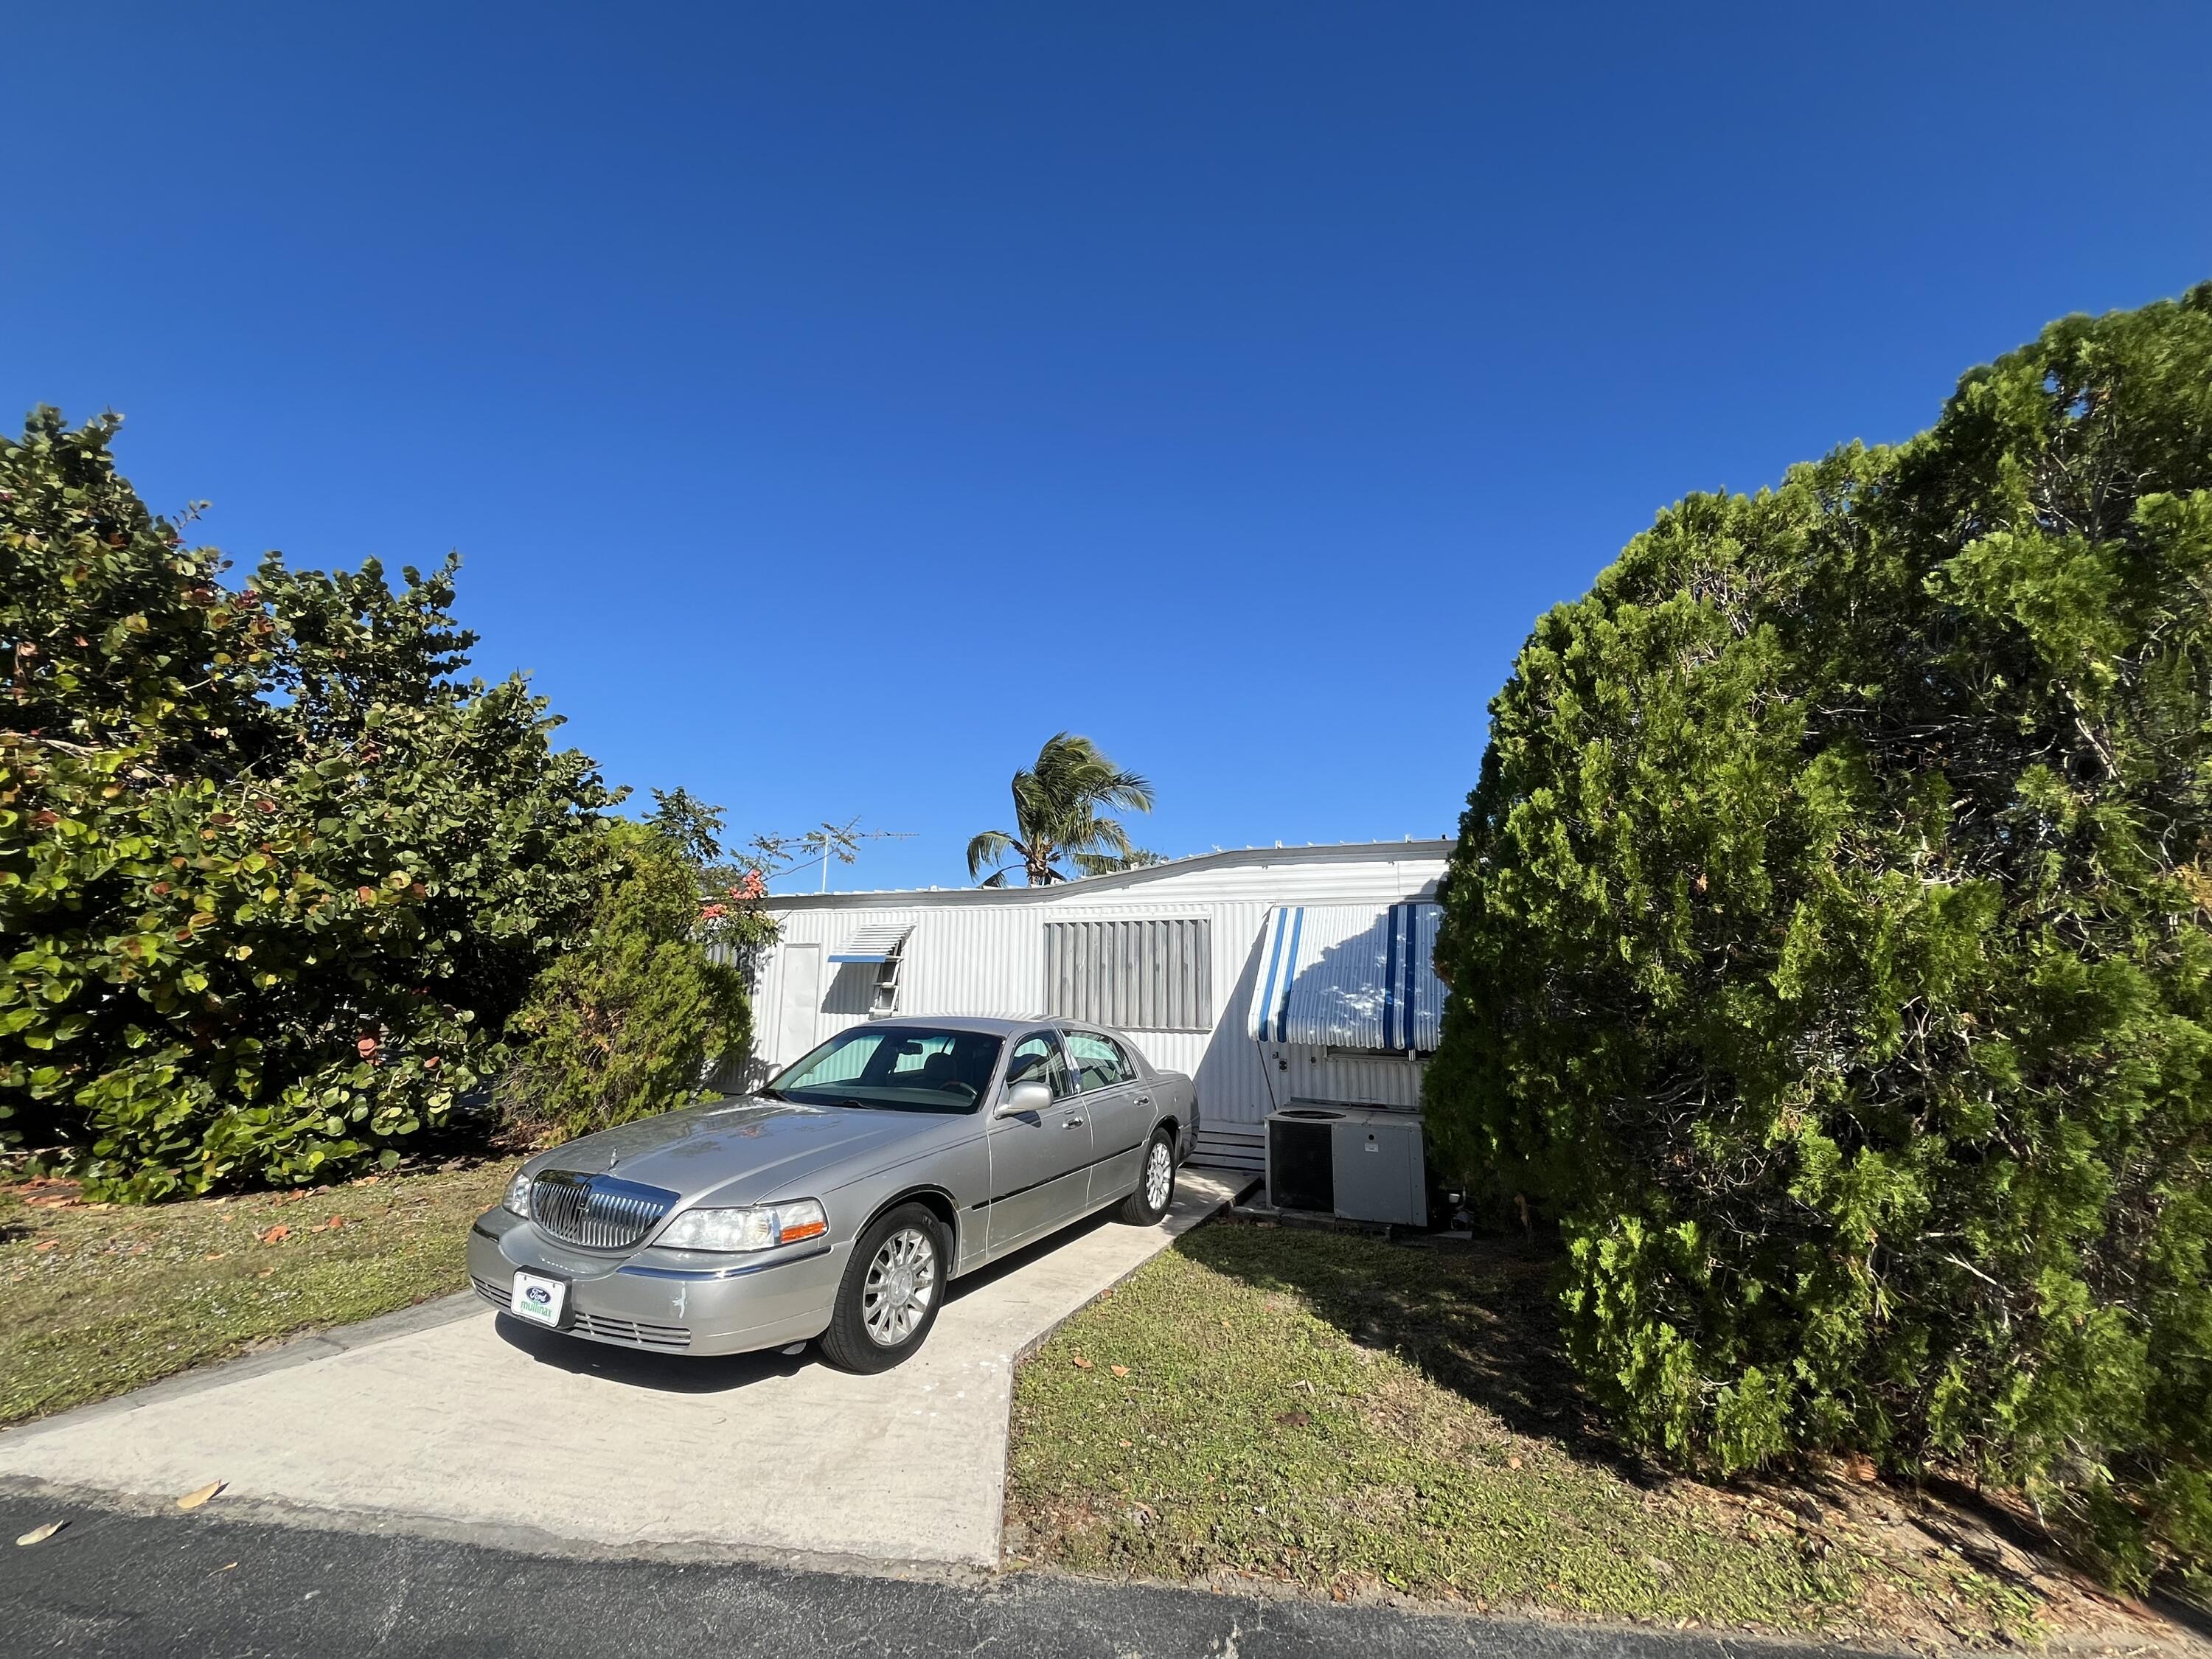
{"x": 1141, "y": 975}
{"x": 970, "y": 958}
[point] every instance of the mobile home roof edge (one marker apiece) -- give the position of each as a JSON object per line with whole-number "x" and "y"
{"x": 1362, "y": 851}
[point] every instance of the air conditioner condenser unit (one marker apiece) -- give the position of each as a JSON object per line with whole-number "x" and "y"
{"x": 1358, "y": 1163}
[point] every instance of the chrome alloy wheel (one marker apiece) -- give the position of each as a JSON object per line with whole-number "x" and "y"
{"x": 1159, "y": 1176}
{"x": 902, "y": 1280}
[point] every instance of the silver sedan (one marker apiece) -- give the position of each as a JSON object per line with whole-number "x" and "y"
{"x": 838, "y": 1201}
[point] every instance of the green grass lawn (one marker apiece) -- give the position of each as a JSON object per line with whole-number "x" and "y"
{"x": 96, "y": 1299}
{"x": 1354, "y": 1417}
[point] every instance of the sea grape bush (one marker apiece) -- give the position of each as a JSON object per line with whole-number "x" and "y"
{"x": 1830, "y": 939}
{"x": 273, "y": 877}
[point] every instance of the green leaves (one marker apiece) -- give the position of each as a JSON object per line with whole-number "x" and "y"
{"x": 629, "y": 1023}
{"x": 245, "y": 829}
{"x": 1059, "y": 815}
{"x": 1829, "y": 945}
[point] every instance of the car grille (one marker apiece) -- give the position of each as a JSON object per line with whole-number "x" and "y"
{"x": 595, "y": 1211}
{"x": 672, "y": 1339}
{"x": 664, "y": 1338}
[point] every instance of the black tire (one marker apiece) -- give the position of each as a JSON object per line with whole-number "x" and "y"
{"x": 852, "y": 1343}
{"x": 1138, "y": 1209}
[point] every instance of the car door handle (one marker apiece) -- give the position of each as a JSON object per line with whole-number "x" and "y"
{"x": 1072, "y": 1123}
{"x": 1144, "y": 1100}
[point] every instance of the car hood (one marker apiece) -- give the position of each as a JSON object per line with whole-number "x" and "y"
{"x": 744, "y": 1149}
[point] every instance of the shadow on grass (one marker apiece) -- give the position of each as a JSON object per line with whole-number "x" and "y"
{"x": 2169, "y": 1598}
{"x": 1481, "y": 1318}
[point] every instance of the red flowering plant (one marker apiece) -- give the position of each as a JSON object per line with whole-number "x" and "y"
{"x": 736, "y": 919}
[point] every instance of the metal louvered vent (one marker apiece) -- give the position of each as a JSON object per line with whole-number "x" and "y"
{"x": 595, "y": 1211}
{"x": 1139, "y": 974}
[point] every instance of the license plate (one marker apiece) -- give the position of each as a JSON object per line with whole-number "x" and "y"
{"x": 538, "y": 1299}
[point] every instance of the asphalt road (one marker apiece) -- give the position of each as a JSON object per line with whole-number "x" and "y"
{"x": 117, "y": 1583}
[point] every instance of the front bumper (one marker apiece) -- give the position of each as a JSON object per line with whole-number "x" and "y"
{"x": 665, "y": 1300}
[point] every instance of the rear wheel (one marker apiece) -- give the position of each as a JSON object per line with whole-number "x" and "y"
{"x": 888, "y": 1299}
{"x": 1156, "y": 1176}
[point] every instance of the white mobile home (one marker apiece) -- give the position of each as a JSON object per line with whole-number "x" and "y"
{"x": 1270, "y": 975}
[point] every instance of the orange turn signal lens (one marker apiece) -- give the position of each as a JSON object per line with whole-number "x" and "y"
{"x": 803, "y": 1220}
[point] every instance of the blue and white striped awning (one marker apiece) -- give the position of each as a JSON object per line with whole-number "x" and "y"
{"x": 878, "y": 944}
{"x": 1349, "y": 976}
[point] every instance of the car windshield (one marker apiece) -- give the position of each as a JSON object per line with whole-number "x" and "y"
{"x": 902, "y": 1068}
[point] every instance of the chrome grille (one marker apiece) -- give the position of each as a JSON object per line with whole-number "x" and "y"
{"x": 595, "y": 1211}
{"x": 633, "y": 1331}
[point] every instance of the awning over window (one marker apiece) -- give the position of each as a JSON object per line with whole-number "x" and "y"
{"x": 1349, "y": 976}
{"x": 878, "y": 944}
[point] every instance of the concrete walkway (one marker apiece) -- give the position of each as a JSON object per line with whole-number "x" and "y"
{"x": 453, "y": 1418}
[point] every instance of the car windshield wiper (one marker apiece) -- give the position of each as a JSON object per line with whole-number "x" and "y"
{"x": 770, "y": 1094}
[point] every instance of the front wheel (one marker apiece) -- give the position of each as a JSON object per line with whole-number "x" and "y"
{"x": 889, "y": 1296}
{"x": 1155, "y": 1177}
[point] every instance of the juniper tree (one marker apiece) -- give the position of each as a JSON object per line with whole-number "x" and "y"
{"x": 1830, "y": 939}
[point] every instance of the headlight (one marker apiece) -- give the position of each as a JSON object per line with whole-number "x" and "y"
{"x": 760, "y": 1228}
{"x": 518, "y": 1196}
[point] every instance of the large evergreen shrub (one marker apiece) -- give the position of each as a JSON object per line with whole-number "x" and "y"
{"x": 630, "y": 1021}
{"x": 272, "y": 877}
{"x": 1829, "y": 940}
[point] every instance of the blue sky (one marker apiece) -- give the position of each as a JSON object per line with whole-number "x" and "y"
{"x": 831, "y": 402}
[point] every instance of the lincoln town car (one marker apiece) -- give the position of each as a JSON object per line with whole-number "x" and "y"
{"x": 836, "y": 1202}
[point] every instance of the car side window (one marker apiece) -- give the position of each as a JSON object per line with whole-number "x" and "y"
{"x": 1037, "y": 1059}
{"x": 1099, "y": 1061}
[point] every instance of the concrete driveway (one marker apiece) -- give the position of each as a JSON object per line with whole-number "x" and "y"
{"x": 450, "y": 1417}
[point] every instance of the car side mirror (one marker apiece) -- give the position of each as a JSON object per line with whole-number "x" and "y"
{"x": 1026, "y": 1097}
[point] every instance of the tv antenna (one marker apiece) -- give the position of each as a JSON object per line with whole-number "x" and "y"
{"x": 826, "y": 842}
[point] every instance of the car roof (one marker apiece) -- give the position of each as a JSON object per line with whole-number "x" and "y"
{"x": 987, "y": 1023}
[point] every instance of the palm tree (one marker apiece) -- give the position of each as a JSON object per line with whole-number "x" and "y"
{"x": 1057, "y": 806}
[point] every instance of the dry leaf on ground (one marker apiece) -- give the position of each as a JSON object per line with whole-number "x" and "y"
{"x": 192, "y": 1500}
{"x": 39, "y": 1534}
{"x": 276, "y": 1234}
{"x": 1081, "y": 1363}
{"x": 1121, "y": 1370}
